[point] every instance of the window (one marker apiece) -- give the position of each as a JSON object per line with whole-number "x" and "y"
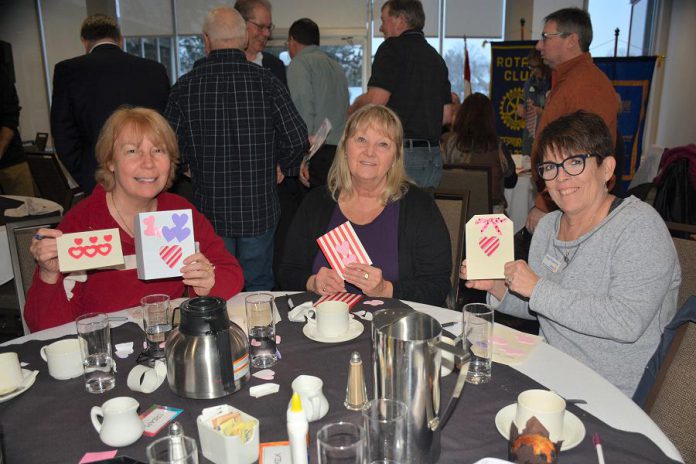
{"x": 606, "y": 17}
{"x": 153, "y": 48}
{"x": 191, "y": 49}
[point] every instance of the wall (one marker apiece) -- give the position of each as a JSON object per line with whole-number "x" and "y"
{"x": 678, "y": 100}
{"x": 514, "y": 10}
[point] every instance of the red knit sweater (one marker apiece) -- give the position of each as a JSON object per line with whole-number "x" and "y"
{"x": 112, "y": 290}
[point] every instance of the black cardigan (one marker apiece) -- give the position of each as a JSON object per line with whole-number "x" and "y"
{"x": 425, "y": 260}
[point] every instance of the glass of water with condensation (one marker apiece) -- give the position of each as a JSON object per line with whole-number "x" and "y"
{"x": 94, "y": 334}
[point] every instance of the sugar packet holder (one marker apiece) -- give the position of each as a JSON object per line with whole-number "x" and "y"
{"x": 220, "y": 448}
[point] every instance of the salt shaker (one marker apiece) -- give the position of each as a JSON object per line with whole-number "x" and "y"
{"x": 356, "y": 391}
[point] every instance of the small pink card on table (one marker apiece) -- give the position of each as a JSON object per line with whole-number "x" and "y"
{"x": 93, "y": 249}
{"x": 162, "y": 240}
{"x": 341, "y": 246}
{"x": 489, "y": 245}
{"x": 351, "y": 299}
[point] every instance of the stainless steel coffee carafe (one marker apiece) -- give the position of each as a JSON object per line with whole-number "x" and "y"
{"x": 407, "y": 356}
{"x": 207, "y": 354}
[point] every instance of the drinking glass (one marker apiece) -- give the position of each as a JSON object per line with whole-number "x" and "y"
{"x": 261, "y": 330}
{"x": 341, "y": 443}
{"x": 385, "y": 427}
{"x": 157, "y": 323}
{"x": 478, "y": 335}
{"x": 172, "y": 450}
{"x": 94, "y": 334}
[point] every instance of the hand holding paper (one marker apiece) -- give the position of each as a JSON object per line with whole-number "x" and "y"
{"x": 341, "y": 246}
{"x": 45, "y": 251}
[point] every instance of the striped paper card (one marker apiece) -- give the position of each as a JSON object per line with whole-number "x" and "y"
{"x": 350, "y": 298}
{"x": 341, "y": 246}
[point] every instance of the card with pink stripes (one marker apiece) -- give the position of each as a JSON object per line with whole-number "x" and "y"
{"x": 341, "y": 246}
{"x": 162, "y": 240}
{"x": 351, "y": 299}
{"x": 490, "y": 243}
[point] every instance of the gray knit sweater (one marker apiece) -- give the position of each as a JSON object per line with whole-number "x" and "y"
{"x": 607, "y": 307}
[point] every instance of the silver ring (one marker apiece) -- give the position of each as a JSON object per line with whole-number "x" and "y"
{"x": 367, "y": 276}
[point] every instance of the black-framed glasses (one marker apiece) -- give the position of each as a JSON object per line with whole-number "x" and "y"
{"x": 573, "y": 166}
{"x": 270, "y": 27}
{"x": 547, "y": 35}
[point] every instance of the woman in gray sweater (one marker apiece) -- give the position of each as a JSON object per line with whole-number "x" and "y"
{"x": 603, "y": 274}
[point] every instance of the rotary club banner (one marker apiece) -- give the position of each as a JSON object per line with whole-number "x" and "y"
{"x": 631, "y": 77}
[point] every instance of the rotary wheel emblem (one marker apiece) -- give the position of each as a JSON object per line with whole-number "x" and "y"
{"x": 508, "y": 109}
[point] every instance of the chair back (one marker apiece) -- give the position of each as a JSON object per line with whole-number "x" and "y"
{"x": 686, "y": 251}
{"x": 476, "y": 179}
{"x": 453, "y": 206}
{"x": 671, "y": 401}
{"x": 19, "y": 235}
{"x": 53, "y": 180}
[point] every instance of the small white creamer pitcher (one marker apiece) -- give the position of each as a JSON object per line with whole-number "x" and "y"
{"x": 314, "y": 403}
{"x": 120, "y": 425}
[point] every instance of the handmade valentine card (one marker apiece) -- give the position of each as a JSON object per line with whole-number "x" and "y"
{"x": 93, "y": 249}
{"x": 341, "y": 246}
{"x": 162, "y": 240}
{"x": 351, "y": 299}
{"x": 489, "y": 245}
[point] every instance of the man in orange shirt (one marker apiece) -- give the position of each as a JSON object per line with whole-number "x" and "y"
{"x": 577, "y": 84}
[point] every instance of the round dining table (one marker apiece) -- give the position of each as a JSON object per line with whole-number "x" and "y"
{"x": 50, "y": 421}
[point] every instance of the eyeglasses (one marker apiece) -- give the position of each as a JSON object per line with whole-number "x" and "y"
{"x": 547, "y": 35}
{"x": 270, "y": 27}
{"x": 573, "y": 166}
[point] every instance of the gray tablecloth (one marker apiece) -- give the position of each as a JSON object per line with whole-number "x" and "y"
{"x": 50, "y": 422}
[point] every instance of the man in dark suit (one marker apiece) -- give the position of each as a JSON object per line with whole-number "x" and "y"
{"x": 88, "y": 88}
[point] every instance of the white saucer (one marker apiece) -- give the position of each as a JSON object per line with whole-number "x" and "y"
{"x": 29, "y": 379}
{"x": 355, "y": 328}
{"x": 573, "y": 428}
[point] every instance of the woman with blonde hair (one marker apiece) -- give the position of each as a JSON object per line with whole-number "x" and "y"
{"x": 137, "y": 155}
{"x": 398, "y": 223}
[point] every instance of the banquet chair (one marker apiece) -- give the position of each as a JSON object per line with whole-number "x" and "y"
{"x": 474, "y": 178}
{"x": 19, "y": 235}
{"x": 53, "y": 180}
{"x": 686, "y": 251}
{"x": 454, "y": 209}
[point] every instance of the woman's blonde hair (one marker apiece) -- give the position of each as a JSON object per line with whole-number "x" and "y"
{"x": 386, "y": 122}
{"x": 145, "y": 123}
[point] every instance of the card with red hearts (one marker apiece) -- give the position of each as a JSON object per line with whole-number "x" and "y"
{"x": 93, "y": 249}
{"x": 341, "y": 246}
{"x": 163, "y": 239}
{"x": 490, "y": 243}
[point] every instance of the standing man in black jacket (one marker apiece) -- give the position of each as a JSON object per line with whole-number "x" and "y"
{"x": 88, "y": 88}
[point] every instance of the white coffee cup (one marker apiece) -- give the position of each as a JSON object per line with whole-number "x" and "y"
{"x": 120, "y": 425}
{"x": 10, "y": 373}
{"x": 332, "y": 318}
{"x": 546, "y": 406}
{"x": 64, "y": 358}
{"x": 314, "y": 403}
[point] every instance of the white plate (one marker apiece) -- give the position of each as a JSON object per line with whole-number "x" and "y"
{"x": 355, "y": 328}
{"x": 573, "y": 428}
{"x": 29, "y": 379}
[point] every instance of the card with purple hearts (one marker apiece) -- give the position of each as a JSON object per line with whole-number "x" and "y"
{"x": 162, "y": 240}
{"x": 93, "y": 249}
{"x": 490, "y": 243}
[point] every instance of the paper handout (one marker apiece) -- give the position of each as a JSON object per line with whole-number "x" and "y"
{"x": 489, "y": 245}
{"x": 341, "y": 246}
{"x": 162, "y": 240}
{"x": 319, "y": 138}
{"x": 93, "y": 249}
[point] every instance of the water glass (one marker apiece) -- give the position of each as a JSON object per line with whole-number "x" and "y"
{"x": 341, "y": 443}
{"x": 94, "y": 334}
{"x": 385, "y": 423}
{"x": 261, "y": 330}
{"x": 478, "y": 337}
{"x": 157, "y": 323}
{"x": 172, "y": 450}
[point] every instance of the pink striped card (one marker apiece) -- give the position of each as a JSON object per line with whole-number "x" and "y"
{"x": 341, "y": 246}
{"x": 350, "y": 298}
{"x": 490, "y": 244}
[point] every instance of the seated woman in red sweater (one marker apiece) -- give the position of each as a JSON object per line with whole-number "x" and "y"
{"x": 137, "y": 155}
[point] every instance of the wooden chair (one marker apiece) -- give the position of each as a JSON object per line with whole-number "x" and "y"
{"x": 19, "y": 235}
{"x": 454, "y": 207}
{"x": 672, "y": 398}
{"x": 475, "y": 179}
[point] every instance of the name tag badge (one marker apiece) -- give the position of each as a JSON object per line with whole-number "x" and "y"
{"x": 551, "y": 263}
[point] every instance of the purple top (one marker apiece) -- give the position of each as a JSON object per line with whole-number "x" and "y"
{"x": 380, "y": 239}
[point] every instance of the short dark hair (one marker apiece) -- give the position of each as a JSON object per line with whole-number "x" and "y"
{"x": 574, "y": 20}
{"x": 246, "y": 7}
{"x": 412, "y": 10}
{"x": 100, "y": 26}
{"x": 580, "y": 132}
{"x": 305, "y": 31}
